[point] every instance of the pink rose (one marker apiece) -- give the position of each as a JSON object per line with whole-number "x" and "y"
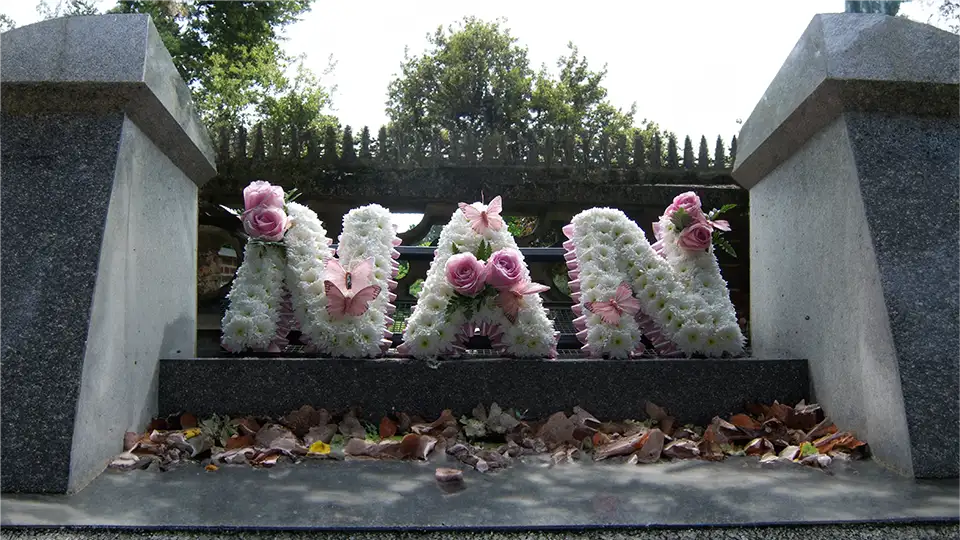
{"x": 504, "y": 269}
{"x": 697, "y": 235}
{"x": 265, "y": 222}
{"x": 466, "y": 274}
{"x": 688, "y": 201}
{"x": 262, "y": 193}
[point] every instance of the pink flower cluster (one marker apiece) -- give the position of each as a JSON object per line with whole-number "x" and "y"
{"x": 263, "y": 215}
{"x": 699, "y": 233}
{"x": 469, "y": 275}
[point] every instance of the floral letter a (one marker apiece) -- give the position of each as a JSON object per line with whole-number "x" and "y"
{"x": 672, "y": 291}
{"x": 478, "y": 281}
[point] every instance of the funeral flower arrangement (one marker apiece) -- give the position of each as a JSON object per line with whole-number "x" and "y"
{"x": 290, "y": 279}
{"x": 345, "y": 305}
{"x": 671, "y": 291}
{"x": 259, "y": 316}
{"x": 479, "y": 284}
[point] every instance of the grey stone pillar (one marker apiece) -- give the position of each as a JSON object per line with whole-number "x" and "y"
{"x": 851, "y": 158}
{"x": 102, "y": 157}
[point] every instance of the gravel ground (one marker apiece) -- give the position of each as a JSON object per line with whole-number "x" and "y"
{"x": 845, "y": 532}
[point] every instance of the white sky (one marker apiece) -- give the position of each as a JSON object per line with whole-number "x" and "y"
{"x": 693, "y": 66}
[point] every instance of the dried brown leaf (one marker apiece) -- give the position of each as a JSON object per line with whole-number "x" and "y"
{"x": 239, "y": 441}
{"x": 710, "y": 450}
{"x": 804, "y": 416}
{"x": 600, "y": 439}
{"x": 235, "y": 456}
{"x": 403, "y": 425}
{"x": 351, "y": 427}
{"x": 246, "y": 426}
{"x": 791, "y": 452}
{"x": 781, "y": 412}
{"x": 323, "y": 434}
{"x": 362, "y": 447}
{"x": 388, "y": 428}
{"x": 409, "y": 445}
{"x": 557, "y": 431}
{"x": 656, "y": 412}
{"x": 619, "y": 447}
{"x": 444, "y": 474}
{"x": 681, "y": 449}
{"x": 758, "y": 447}
{"x": 304, "y": 418}
{"x": 130, "y": 440}
{"x": 652, "y": 446}
{"x": 666, "y": 425}
{"x": 744, "y": 421}
{"x": 187, "y": 421}
{"x": 758, "y": 410}
{"x": 279, "y": 438}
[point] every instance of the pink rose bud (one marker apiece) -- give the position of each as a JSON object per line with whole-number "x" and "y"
{"x": 265, "y": 222}
{"x": 504, "y": 269}
{"x": 466, "y": 274}
{"x": 697, "y": 235}
{"x": 262, "y": 193}
{"x": 688, "y": 201}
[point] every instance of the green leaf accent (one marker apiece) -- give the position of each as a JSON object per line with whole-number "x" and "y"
{"x": 680, "y": 219}
{"x": 725, "y": 208}
{"x": 291, "y": 196}
{"x": 454, "y": 248}
{"x": 484, "y": 251}
{"x": 807, "y": 449}
{"x": 723, "y": 244}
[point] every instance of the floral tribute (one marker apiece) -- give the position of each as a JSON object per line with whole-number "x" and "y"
{"x": 290, "y": 279}
{"x": 671, "y": 291}
{"x": 479, "y": 284}
{"x": 280, "y": 233}
{"x": 346, "y": 305}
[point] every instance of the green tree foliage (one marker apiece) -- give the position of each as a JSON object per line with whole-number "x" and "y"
{"x": 6, "y": 22}
{"x": 672, "y": 159}
{"x": 703, "y": 156}
{"x": 719, "y": 157}
{"x": 228, "y": 52}
{"x": 576, "y": 100}
{"x": 733, "y": 151}
{"x": 473, "y": 79}
{"x": 887, "y": 8}
{"x": 298, "y": 103}
{"x": 67, "y": 8}
{"x": 687, "y": 153}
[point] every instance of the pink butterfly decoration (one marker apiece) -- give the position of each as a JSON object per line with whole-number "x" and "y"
{"x": 509, "y": 300}
{"x": 622, "y": 302}
{"x": 485, "y": 219}
{"x": 349, "y": 293}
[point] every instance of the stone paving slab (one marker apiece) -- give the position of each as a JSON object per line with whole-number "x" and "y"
{"x": 371, "y": 495}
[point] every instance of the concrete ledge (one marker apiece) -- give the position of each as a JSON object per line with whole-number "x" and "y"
{"x": 848, "y": 62}
{"x": 97, "y": 63}
{"x": 691, "y": 390}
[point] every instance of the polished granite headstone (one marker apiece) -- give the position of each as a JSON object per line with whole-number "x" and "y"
{"x": 851, "y": 158}
{"x": 102, "y": 157}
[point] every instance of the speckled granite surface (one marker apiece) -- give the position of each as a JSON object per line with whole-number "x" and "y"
{"x": 691, "y": 390}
